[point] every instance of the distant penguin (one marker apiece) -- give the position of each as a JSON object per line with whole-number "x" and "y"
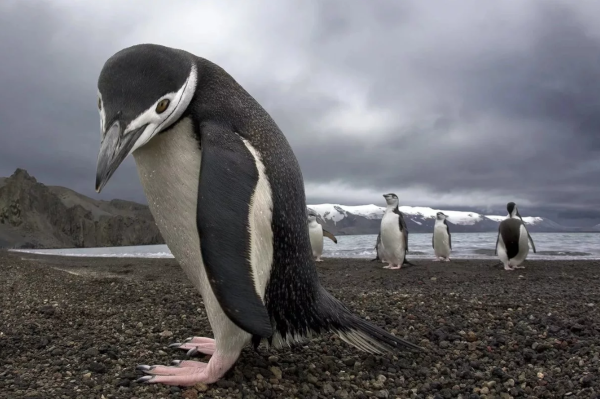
{"x": 441, "y": 239}
{"x": 317, "y": 232}
{"x": 227, "y": 194}
{"x": 512, "y": 244}
{"x": 394, "y": 234}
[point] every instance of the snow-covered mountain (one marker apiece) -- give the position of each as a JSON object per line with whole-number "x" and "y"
{"x": 366, "y": 219}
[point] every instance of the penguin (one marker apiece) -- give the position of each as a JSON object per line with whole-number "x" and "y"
{"x": 394, "y": 234}
{"x": 441, "y": 240}
{"x": 227, "y": 195}
{"x": 379, "y": 253}
{"x": 317, "y": 232}
{"x": 512, "y": 243}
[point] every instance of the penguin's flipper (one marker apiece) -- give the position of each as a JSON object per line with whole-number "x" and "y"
{"x": 228, "y": 179}
{"x": 404, "y": 229}
{"x": 497, "y": 241}
{"x": 531, "y": 241}
{"x": 329, "y": 235}
{"x": 449, "y": 235}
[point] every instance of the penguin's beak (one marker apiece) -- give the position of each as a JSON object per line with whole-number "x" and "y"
{"x": 114, "y": 149}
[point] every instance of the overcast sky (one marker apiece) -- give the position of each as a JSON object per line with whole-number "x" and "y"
{"x": 458, "y": 104}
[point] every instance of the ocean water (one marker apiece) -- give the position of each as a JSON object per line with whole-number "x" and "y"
{"x": 465, "y": 246}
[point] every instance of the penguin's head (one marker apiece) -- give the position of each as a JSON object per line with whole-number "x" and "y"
{"x": 312, "y": 215}
{"x": 142, "y": 91}
{"x": 441, "y": 216}
{"x": 391, "y": 199}
{"x": 511, "y": 207}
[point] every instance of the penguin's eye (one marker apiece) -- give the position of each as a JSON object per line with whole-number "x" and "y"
{"x": 162, "y": 106}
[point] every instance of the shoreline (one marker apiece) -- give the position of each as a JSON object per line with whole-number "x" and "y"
{"x": 76, "y": 327}
{"x": 417, "y": 257}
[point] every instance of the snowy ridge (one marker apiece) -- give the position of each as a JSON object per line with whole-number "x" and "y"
{"x": 337, "y": 212}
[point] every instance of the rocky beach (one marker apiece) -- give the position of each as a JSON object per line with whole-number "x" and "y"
{"x": 77, "y": 328}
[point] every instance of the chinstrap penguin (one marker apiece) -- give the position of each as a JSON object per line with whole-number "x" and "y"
{"x": 394, "y": 234}
{"x": 441, "y": 241}
{"x": 379, "y": 253}
{"x": 317, "y": 232}
{"x": 512, "y": 243}
{"x": 227, "y": 194}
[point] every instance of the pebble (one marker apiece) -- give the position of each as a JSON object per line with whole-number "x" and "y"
{"x": 94, "y": 332}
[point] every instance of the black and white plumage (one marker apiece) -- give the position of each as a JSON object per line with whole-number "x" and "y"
{"x": 227, "y": 194}
{"x": 317, "y": 232}
{"x": 394, "y": 233}
{"x": 379, "y": 253}
{"x": 441, "y": 240}
{"x": 512, "y": 243}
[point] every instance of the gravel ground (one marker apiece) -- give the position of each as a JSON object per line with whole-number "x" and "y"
{"x": 76, "y": 328}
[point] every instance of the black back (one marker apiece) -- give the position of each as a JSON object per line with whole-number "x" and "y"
{"x": 222, "y": 100}
{"x": 449, "y": 235}
{"x": 402, "y": 226}
{"x": 510, "y": 230}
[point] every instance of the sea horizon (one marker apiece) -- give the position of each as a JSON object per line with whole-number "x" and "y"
{"x": 549, "y": 246}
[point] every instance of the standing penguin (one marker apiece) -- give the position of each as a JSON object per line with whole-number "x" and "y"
{"x": 379, "y": 253}
{"x": 441, "y": 241}
{"x": 394, "y": 234}
{"x": 317, "y": 232}
{"x": 512, "y": 243}
{"x": 227, "y": 194}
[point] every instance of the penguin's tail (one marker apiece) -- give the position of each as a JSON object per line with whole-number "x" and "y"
{"x": 356, "y": 331}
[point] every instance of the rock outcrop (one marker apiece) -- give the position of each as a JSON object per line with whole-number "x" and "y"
{"x": 34, "y": 215}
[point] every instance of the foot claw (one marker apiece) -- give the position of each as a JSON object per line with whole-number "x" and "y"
{"x": 176, "y": 362}
{"x": 176, "y": 344}
{"x": 144, "y": 367}
{"x": 145, "y": 379}
{"x": 192, "y": 352}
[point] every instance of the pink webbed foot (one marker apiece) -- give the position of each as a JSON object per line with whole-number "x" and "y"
{"x": 447, "y": 259}
{"x": 436, "y": 260}
{"x": 187, "y": 372}
{"x": 507, "y": 267}
{"x": 196, "y": 345}
{"x": 519, "y": 267}
{"x": 395, "y": 267}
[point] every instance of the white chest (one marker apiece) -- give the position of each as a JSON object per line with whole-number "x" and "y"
{"x": 169, "y": 170}
{"x": 440, "y": 228}
{"x": 390, "y": 224}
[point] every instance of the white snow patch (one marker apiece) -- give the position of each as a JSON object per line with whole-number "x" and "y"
{"x": 337, "y": 212}
{"x": 526, "y": 219}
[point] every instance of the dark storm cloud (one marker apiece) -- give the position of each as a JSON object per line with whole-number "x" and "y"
{"x": 528, "y": 116}
{"x": 463, "y": 105}
{"x": 48, "y": 119}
